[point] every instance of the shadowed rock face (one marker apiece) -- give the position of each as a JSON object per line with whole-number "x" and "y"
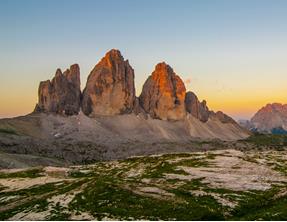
{"x": 62, "y": 95}
{"x": 110, "y": 87}
{"x": 200, "y": 110}
{"x": 197, "y": 109}
{"x": 222, "y": 117}
{"x": 163, "y": 94}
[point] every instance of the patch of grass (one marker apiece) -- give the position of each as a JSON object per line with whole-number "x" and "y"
{"x": 193, "y": 163}
{"x": 41, "y": 204}
{"x": 271, "y": 140}
{"x": 279, "y": 165}
{"x": 32, "y": 191}
{"x": 39, "y": 201}
{"x": 261, "y": 205}
{"x": 8, "y": 131}
{"x": 32, "y": 173}
{"x": 194, "y": 184}
{"x": 107, "y": 198}
{"x": 160, "y": 168}
{"x": 68, "y": 186}
{"x": 79, "y": 174}
{"x": 107, "y": 193}
{"x": 59, "y": 213}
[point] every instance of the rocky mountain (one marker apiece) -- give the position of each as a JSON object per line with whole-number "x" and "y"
{"x": 200, "y": 111}
{"x": 163, "y": 94}
{"x": 110, "y": 91}
{"x": 196, "y": 108}
{"x": 107, "y": 121}
{"x": 110, "y": 87}
{"x": 62, "y": 95}
{"x": 271, "y": 118}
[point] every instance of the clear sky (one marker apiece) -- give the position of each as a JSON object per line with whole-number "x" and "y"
{"x": 233, "y": 53}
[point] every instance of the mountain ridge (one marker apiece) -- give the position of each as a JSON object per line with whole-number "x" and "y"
{"x": 110, "y": 90}
{"x": 270, "y": 117}
{"x": 107, "y": 121}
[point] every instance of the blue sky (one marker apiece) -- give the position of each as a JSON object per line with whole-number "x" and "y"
{"x": 231, "y": 53}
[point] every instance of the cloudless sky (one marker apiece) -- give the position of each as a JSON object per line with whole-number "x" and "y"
{"x": 231, "y": 53}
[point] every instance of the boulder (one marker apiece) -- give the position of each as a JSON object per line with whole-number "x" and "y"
{"x": 62, "y": 95}
{"x": 163, "y": 94}
{"x": 110, "y": 87}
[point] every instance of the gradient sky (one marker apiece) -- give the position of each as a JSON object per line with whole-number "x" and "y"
{"x": 231, "y": 53}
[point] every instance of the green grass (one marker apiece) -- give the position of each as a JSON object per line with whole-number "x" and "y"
{"x": 8, "y": 131}
{"x": 271, "y": 140}
{"x": 58, "y": 213}
{"x": 41, "y": 204}
{"x": 32, "y": 173}
{"x": 105, "y": 197}
{"x": 261, "y": 205}
{"x": 32, "y": 191}
{"x": 193, "y": 163}
{"x": 106, "y": 192}
{"x": 36, "y": 191}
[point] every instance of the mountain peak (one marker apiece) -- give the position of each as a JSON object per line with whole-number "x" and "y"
{"x": 110, "y": 87}
{"x": 163, "y": 94}
{"x": 269, "y": 117}
{"x": 113, "y": 54}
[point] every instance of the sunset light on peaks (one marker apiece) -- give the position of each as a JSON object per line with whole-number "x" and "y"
{"x": 231, "y": 55}
{"x": 143, "y": 110}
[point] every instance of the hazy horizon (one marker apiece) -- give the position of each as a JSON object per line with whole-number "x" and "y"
{"x": 230, "y": 53}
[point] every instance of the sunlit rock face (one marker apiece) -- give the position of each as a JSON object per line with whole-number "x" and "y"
{"x": 163, "y": 94}
{"x": 110, "y": 87}
{"x": 62, "y": 95}
{"x": 270, "y": 118}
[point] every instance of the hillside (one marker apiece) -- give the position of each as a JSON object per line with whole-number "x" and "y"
{"x": 215, "y": 185}
{"x": 80, "y": 139}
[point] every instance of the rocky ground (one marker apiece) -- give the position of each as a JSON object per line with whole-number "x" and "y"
{"x": 79, "y": 139}
{"x": 212, "y": 185}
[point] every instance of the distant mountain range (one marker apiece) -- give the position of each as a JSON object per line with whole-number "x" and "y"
{"x": 271, "y": 118}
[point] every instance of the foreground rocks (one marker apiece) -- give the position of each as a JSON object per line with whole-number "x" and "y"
{"x": 223, "y": 185}
{"x": 163, "y": 94}
{"x": 110, "y": 87}
{"x": 62, "y": 95}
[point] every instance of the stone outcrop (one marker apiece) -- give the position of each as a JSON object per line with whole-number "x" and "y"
{"x": 62, "y": 95}
{"x": 163, "y": 94}
{"x": 200, "y": 110}
{"x": 110, "y": 87}
{"x": 196, "y": 108}
{"x": 222, "y": 117}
